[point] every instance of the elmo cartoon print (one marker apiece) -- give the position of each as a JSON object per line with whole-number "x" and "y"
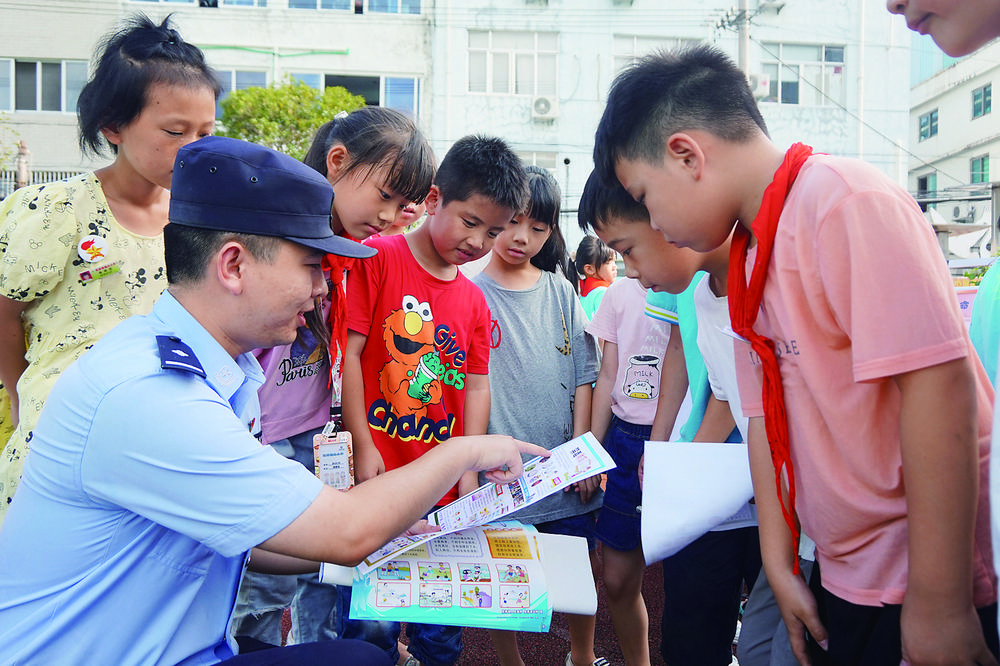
{"x": 411, "y": 379}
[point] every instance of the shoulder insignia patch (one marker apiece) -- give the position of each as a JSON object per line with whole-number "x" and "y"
{"x": 175, "y": 355}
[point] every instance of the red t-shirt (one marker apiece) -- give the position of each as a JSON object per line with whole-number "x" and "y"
{"x": 425, "y": 335}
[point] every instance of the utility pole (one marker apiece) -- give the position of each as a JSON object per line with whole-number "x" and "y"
{"x": 743, "y": 37}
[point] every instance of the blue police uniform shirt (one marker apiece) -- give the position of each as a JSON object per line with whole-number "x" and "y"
{"x": 143, "y": 491}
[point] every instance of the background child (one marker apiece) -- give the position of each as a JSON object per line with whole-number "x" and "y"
{"x": 596, "y": 267}
{"x": 886, "y": 438}
{"x": 703, "y": 582}
{"x": 415, "y": 369}
{"x": 408, "y": 217}
{"x": 151, "y": 93}
{"x": 542, "y": 362}
{"x": 378, "y": 163}
{"x": 634, "y": 370}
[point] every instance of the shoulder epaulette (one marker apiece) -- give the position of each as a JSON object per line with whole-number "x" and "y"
{"x": 175, "y": 355}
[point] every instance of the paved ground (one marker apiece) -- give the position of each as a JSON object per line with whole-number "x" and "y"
{"x": 550, "y": 649}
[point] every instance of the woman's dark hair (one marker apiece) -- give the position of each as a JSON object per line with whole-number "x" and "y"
{"x": 376, "y": 137}
{"x": 543, "y": 206}
{"x": 593, "y": 251}
{"x": 127, "y": 63}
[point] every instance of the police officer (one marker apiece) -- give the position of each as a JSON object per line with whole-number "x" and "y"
{"x": 146, "y": 491}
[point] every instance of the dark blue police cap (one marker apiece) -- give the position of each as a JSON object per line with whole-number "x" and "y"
{"x": 226, "y": 184}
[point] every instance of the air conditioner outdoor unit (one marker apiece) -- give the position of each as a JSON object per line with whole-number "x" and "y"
{"x": 544, "y": 108}
{"x": 760, "y": 85}
{"x": 965, "y": 212}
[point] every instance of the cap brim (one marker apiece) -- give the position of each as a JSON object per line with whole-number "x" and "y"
{"x": 336, "y": 245}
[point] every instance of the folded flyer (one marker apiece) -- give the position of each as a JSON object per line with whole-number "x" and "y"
{"x": 577, "y": 459}
{"x": 486, "y": 576}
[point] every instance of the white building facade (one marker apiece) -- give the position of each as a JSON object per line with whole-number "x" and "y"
{"x": 953, "y": 136}
{"x": 831, "y": 73}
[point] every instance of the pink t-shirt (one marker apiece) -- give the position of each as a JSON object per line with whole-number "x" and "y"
{"x": 296, "y": 394}
{"x": 858, "y": 291}
{"x": 641, "y": 340}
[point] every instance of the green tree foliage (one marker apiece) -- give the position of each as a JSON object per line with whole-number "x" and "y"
{"x": 283, "y": 116}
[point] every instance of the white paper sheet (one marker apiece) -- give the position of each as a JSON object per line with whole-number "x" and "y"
{"x": 689, "y": 488}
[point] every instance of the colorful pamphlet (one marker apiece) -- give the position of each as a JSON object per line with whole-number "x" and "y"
{"x": 577, "y": 459}
{"x": 485, "y": 576}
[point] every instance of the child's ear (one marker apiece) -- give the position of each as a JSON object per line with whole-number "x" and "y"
{"x": 589, "y": 270}
{"x": 336, "y": 161}
{"x": 684, "y": 151}
{"x": 433, "y": 199}
{"x": 113, "y": 135}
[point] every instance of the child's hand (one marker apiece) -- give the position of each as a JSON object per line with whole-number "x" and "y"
{"x": 642, "y": 468}
{"x": 935, "y": 634}
{"x": 798, "y": 610}
{"x": 421, "y": 527}
{"x": 587, "y": 487}
{"x": 368, "y": 463}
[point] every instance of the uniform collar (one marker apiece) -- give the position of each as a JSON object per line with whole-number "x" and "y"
{"x": 222, "y": 372}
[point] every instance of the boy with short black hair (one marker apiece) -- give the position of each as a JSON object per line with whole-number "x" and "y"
{"x": 417, "y": 356}
{"x": 702, "y": 582}
{"x": 886, "y": 442}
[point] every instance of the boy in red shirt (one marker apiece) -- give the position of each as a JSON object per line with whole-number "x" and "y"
{"x": 417, "y": 355}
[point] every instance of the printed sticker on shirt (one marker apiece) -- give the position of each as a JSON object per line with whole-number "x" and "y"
{"x": 92, "y": 249}
{"x": 98, "y": 273}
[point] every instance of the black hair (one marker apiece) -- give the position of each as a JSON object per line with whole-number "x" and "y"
{"x": 698, "y": 87}
{"x": 187, "y": 251}
{"x": 376, "y": 137}
{"x": 601, "y": 204}
{"x": 593, "y": 251}
{"x": 544, "y": 207}
{"x": 483, "y": 165}
{"x": 127, "y": 63}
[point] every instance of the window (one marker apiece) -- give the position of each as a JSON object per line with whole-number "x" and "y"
{"x": 321, "y": 4}
{"x": 982, "y": 100}
{"x": 29, "y": 85}
{"x": 231, "y": 80}
{"x": 928, "y": 125}
{"x": 544, "y": 160}
{"x": 629, "y": 48}
{"x": 394, "y": 6}
{"x": 980, "y": 169}
{"x": 518, "y": 63}
{"x": 806, "y": 74}
{"x": 399, "y": 93}
{"x": 927, "y": 185}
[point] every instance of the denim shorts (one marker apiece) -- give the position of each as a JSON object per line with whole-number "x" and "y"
{"x": 580, "y": 525}
{"x": 619, "y": 524}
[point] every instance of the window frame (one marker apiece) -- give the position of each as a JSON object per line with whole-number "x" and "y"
{"x": 928, "y": 129}
{"x": 69, "y": 86}
{"x": 982, "y": 101}
{"x": 514, "y": 57}
{"x": 979, "y": 173}
{"x": 787, "y": 72}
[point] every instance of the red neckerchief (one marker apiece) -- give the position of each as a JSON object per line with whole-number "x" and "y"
{"x": 590, "y": 283}
{"x": 337, "y": 267}
{"x": 744, "y": 304}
